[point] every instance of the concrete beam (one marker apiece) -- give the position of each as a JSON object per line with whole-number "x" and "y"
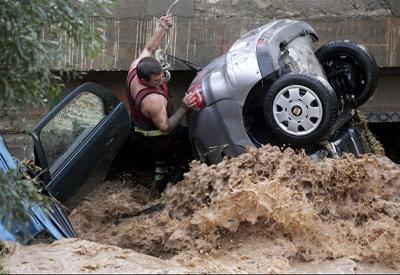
{"x": 144, "y": 9}
{"x": 394, "y": 7}
{"x": 205, "y": 29}
{"x": 200, "y": 40}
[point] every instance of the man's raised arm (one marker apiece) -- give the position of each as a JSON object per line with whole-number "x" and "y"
{"x": 155, "y": 41}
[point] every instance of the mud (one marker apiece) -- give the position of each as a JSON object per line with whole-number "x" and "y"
{"x": 337, "y": 208}
{"x": 265, "y": 211}
{"x": 73, "y": 256}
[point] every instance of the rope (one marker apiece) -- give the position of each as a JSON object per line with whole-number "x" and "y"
{"x": 191, "y": 65}
{"x": 161, "y": 53}
{"x": 173, "y": 4}
{"x": 168, "y": 35}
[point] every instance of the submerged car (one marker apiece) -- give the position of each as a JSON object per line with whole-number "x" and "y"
{"x": 271, "y": 87}
{"x": 74, "y": 145}
{"x": 49, "y": 219}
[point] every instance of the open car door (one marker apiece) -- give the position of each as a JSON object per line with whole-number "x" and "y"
{"x": 76, "y": 143}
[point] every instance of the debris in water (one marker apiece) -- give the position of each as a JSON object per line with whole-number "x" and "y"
{"x": 302, "y": 209}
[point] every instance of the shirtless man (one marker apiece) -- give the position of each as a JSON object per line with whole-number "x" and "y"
{"x": 149, "y": 99}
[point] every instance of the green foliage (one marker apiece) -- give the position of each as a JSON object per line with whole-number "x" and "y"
{"x": 376, "y": 146}
{"x": 30, "y": 44}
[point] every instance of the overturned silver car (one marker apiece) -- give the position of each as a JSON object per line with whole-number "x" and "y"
{"x": 271, "y": 87}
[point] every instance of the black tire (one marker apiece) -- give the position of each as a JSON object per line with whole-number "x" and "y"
{"x": 350, "y": 68}
{"x": 327, "y": 107}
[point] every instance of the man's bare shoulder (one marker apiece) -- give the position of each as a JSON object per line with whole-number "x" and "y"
{"x": 153, "y": 102}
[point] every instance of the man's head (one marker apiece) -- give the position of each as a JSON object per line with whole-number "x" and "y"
{"x": 149, "y": 70}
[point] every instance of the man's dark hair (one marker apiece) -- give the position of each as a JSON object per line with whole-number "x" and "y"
{"x": 147, "y": 67}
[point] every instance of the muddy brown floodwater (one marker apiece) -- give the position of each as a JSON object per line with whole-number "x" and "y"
{"x": 266, "y": 211}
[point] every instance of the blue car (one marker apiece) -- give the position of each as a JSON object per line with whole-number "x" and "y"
{"x": 74, "y": 145}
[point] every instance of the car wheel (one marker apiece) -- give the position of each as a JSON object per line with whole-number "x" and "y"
{"x": 350, "y": 68}
{"x": 300, "y": 109}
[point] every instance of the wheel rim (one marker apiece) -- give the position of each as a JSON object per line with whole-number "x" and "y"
{"x": 297, "y": 110}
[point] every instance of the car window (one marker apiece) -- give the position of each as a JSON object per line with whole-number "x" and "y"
{"x": 301, "y": 55}
{"x": 66, "y": 130}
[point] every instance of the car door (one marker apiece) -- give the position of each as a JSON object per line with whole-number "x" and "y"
{"x": 76, "y": 143}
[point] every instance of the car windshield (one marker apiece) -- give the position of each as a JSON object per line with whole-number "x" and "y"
{"x": 69, "y": 127}
{"x": 299, "y": 57}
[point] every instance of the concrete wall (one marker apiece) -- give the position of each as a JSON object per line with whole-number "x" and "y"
{"x": 205, "y": 29}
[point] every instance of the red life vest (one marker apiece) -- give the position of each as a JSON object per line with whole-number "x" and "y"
{"x": 140, "y": 120}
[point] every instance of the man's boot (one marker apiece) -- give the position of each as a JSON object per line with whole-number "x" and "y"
{"x": 160, "y": 176}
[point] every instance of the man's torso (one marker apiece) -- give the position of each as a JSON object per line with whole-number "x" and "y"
{"x": 136, "y": 87}
{"x": 138, "y": 94}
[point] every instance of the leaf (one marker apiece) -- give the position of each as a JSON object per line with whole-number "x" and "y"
{"x": 34, "y": 38}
